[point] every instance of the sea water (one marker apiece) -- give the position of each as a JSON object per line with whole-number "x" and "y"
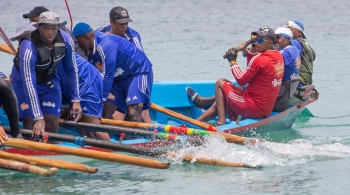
{"x": 185, "y": 40}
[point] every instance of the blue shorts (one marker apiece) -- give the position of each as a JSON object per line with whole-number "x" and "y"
{"x": 91, "y": 98}
{"x": 49, "y": 98}
{"x": 132, "y": 90}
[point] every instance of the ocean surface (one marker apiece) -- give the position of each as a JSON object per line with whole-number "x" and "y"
{"x": 185, "y": 40}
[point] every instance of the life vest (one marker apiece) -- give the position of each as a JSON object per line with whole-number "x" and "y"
{"x": 46, "y": 65}
{"x": 285, "y": 94}
{"x": 307, "y": 55}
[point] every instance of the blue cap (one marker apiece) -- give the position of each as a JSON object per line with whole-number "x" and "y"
{"x": 81, "y": 29}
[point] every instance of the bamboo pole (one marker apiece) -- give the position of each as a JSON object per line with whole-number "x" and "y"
{"x": 132, "y": 160}
{"x": 26, "y": 168}
{"x": 49, "y": 162}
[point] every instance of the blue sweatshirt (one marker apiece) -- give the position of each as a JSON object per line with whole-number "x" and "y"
{"x": 29, "y": 56}
{"x": 117, "y": 59}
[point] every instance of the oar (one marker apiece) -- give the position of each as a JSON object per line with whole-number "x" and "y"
{"x": 182, "y": 131}
{"x": 183, "y": 117}
{"x": 7, "y": 41}
{"x": 138, "y": 150}
{"x": 132, "y": 160}
{"x": 5, "y": 48}
{"x": 26, "y": 168}
{"x": 49, "y": 162}
{"x": 119, "y": 129}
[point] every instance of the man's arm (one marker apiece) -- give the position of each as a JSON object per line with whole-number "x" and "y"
{"x": 108, "y": 53}
{"x": 71, "y": 68}
{"x": 28, "y": 58}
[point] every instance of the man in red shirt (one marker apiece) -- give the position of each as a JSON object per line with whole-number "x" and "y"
{"x": 263, "y": 75}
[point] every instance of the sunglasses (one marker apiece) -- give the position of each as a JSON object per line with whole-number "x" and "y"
{"x": 259, "y": 40}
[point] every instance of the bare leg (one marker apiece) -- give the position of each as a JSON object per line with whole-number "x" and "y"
{"x": 145, "y": 116}
{"x": 135, "y": 112}
{"x": 204, "y": 101}
{"x": 97, "y": 135}
{"x": 108, "y": 110}
{"x": 118, "y": 115}
{"x": 220, "y": 104}
{"x": 209, "y": 114}
{"x": 51, "y": 123}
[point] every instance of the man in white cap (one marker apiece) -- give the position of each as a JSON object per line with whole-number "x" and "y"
{"x": 307, "y": 54}
{"x": 291, "y": 57}
{"x": 39, "y": 54}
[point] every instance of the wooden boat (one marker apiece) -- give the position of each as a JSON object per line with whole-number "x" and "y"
{"x": 172, "y": 95}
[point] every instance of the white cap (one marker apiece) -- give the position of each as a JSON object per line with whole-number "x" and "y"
{"x": 21, "y": 29}
{"x": 284, "y": 30}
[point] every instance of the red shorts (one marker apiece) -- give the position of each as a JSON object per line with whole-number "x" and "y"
{"x": 236, "y": 104}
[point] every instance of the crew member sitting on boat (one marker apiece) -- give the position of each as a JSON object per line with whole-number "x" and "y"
{"x": 263, "y": 75}
{"x": 119, "y": 19}
{"x": 307, "y": 54}
{"x": 90, "y": 91}
{"x": 9, "y": 103}
{"x": 291, "y": 59}
{"x": 39, "y": 54}
{"x": 126, "y": 71}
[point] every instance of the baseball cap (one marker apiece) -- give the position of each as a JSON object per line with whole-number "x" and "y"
{"x": 36, "y": 11}
{"x": 50, "y": 18}
{"x": 120, "y": 15}
{"x": 265, "y": 31}
{"x": 296, "y": 24}
{"x": 284, "y": 31}
{"x": 20, "y": 29}
{"x": 81, "y": 29}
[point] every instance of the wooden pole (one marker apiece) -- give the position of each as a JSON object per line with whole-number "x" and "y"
{"x": 49, "y": 162}
{"x": 132, "y": 160}
{"x": 183, "y": 117}
{"x": 26, "y": 168}
{"x": 5, "y": 48}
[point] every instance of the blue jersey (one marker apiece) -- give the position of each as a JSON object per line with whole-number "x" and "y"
{"x": 131, "y": 35}
{"x": 292, "y": 62}
{"x": 29, "y": 56}
{"x": 87, "y": 76}
{"x": 117, "y": 59}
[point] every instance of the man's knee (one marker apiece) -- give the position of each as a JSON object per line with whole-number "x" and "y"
{"x": 108, "y": 110}
{"x": 135, "y": 112}
{"x": 220, "y": 82}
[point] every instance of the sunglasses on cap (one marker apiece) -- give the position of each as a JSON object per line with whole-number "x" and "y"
{"x": 259, "y": 40}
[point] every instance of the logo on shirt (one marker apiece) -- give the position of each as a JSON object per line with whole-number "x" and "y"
{"x": 279, "y": 69}
{"x": 135, "y": 98}
{"x": 98, "y": 65}
{"x": 85, "y": 108}
{"x": 128, "y": 99}
{"x": 49, "y": 104}
{"x": 118, "y": 72}
{"x": 24, "y": 106}
{"x": 111, "y": 96}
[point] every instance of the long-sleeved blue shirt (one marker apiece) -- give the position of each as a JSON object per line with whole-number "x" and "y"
{"x": 117, "y": 59}
{"x": 29, "y": 56}
{"x": 87, "y": 76}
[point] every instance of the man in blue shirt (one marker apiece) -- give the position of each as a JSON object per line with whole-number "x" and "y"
{"x": 126, "y": 71}
{"x": 90, "y": 89}
{"x": 39, "y": 54}
{"x": 292, "y": 62}
{"x": 119, "y": 19}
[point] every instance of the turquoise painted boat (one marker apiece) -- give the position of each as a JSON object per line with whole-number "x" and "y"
{"x": 172, "y": 95}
